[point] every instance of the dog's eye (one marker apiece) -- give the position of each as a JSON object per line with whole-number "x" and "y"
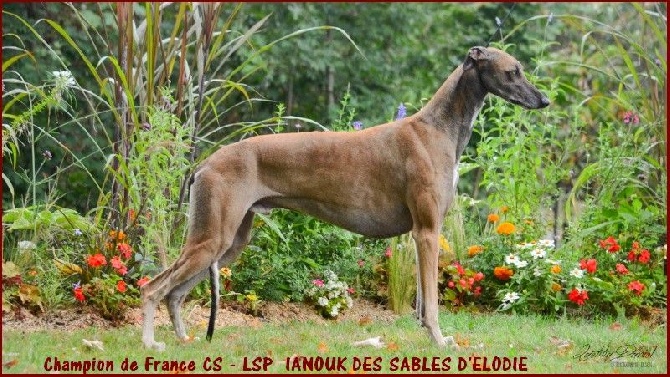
{"x": 517, "y": 72}
{"x": 509, "y": 75}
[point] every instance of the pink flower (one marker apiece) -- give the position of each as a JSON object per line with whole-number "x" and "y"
{"x": 351, "y": 291}
{"x": 361, "y": 263}
{"x": 318, "y": 282}
{"x": 118, "y": 265}
{"x": 388, "y": 252}
{"x": 479, "y": 276}
{"x": 450, "y": 284}
{"x": 125, "y": 250}
{"x": 636, "y": 287}
{"x": 621, "y": 268}
{"x": 143, "y": 281}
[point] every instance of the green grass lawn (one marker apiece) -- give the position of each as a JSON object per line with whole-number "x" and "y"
{"x": 542, "y": 345}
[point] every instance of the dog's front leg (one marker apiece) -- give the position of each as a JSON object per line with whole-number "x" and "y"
{"x": 426, "y": 246}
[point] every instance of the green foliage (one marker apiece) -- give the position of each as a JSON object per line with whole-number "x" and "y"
{"x": 18, "y": 291}
{"x": 401, "y": 274}
{"x": 289, "y": 249}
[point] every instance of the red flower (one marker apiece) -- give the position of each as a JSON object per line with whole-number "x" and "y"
{"x": 621, "y": 268}
{"x": 459, "y": 269}
{"x": 644, "y": 256}
{"x": 125, "y": 250}
{"x": 463, "y": 283}
{"x": 96, "y": 260}
{"x": 79, "y": 294}
{"x": 589, "y": 265}
{"x": 631, "y": 256}
{"x": 121, "y": 286}
{"x": 478, "y": 290}
{"x": 578, "y": 296}
{"x": 450, "y": 284}
{"x": 479, "y": 276}
{"x": 636, "y": 287}
{"x": 610, "y": 244}
{"x": 143, "y": 281}
{"x": 119, "y": 266}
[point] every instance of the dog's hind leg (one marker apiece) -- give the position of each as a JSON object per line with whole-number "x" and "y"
{"x": 241, "y": 240}
{"x": 176, "y": 297}
{"x": 211, "y": 232}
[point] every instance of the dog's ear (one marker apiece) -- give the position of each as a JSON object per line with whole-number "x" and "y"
{"x": 475, "y": 54}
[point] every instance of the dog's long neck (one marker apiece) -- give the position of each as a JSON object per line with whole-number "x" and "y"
{"x": 455, "y": 106}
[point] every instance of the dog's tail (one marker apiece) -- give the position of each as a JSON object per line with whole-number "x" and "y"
{"x": 214, "y": 287}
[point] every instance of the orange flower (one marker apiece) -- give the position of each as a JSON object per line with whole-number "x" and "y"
{"x": 117, "y": 235}
{"x": 555, "y": 287}
{"x": 503, "y": 273}
{"x": 555, "y": 269}
{"x": 492, "y": 218}
{"x": 121, "y": 286}
{"x": 475, "y": 249}
{"x": 506, "y": 228}
{"x": 504, "y": 209}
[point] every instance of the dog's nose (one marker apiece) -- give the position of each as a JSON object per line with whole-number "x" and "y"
{"x": 544, "y": 101}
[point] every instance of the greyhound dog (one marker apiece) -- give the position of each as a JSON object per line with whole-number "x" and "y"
{"x": 380, "y": 182}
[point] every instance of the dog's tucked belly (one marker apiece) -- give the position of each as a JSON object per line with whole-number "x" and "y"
{"x": 380, "y": 223}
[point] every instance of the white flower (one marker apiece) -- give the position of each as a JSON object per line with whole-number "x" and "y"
{"x": 335, "y": 310}
{"x": 349, "y": 301}
{"x": 26, "y": 245}
{"x": 551, "y": 261}
{"x": 538, "y": 253}
{"x": 63, "y": 78}
{"x": 511, "y": 297}
{"x": 537, "y": 272}
{"x": 577, "y": 272}
{"x": 511, "y": 259}
{"x": 524, "y": 246}
{"x": 547, "y": 243}
{"x": 520, "y": 263}
{"x": 323, "y": 301}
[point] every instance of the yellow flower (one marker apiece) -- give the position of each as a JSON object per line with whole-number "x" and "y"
{"x": 506, "y": 228}
{"x": 492, "y": 218}
{"x": 555, "y": 269}
{"x": 226, "y": 272}
{"x": 444, "y": 244}
{"x": 251, "y": 297}
{"x": 475, "y": 249}
{"x": 555, "y": 286}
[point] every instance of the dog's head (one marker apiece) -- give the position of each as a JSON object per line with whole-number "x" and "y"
{"x": 502, "y": 75}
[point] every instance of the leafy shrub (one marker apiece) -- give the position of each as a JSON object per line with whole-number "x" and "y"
{"x": 288, "y": 246}
{"x": 330, "y": 295}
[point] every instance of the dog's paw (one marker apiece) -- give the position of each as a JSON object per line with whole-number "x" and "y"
{"x": 450, "y": 342}
{"x": 158, "y": 346}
